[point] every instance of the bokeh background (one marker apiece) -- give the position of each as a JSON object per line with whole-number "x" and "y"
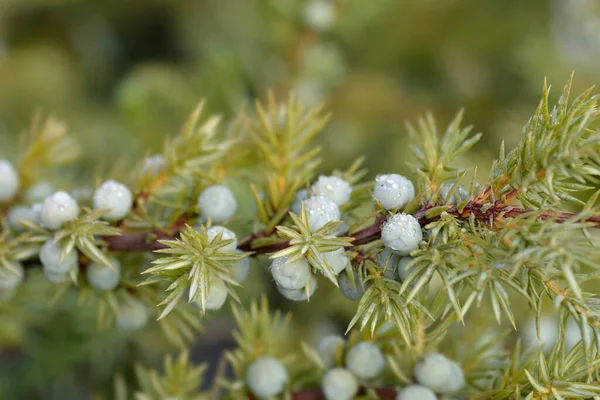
{"x": 125, "y": 74}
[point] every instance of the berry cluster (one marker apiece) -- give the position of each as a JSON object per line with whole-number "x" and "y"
{"x": 363, "y": 361}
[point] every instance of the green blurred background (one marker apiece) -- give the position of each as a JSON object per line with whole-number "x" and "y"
{"x": 125, "y": 74}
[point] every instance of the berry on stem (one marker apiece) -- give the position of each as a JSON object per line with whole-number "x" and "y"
{"x": 103, "y": 278}
{"x": 416, "y": 392}
{"x": 300, "y": 294}
{"x": 339, "y": 384}
{"x": 39, "y": 191}
{"x": 393, "y": 191}
{"x": 9, "y": 280}
{"x": 57, "y": 209}
{"x": 9, "y": 181}
{"x": 460, "y": 193}
{"x": 17, "y": 214}
{"x": 290, "y": 275}
{"x": 336, "y": 259}
{"x": 439, "y": 373}
{"x": 133, "y": 315}
{"x": 266, "y": 377}
{"x": 402, "y": 233}
{"x": 226, "y": 234}
{"x": 113, "y": 196}
{"x": 50, "y": 257}
{"x": 299, "y": 198}
{"x": 329, "y": 348}
{"x": 365, "y": 360}
{"x": 240, "y": 269}
{"x": 334, "y": 188}
{"x": 320, "y": 210}
{"x": 352, "y": 291}
{"x": 217, "y": 203}
{"x": 216, "y": 296}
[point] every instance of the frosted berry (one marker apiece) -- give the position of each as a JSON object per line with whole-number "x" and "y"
{"x": 217, "y": 295}
{"x": 416, "y": 392}
{"x": 17, "y": 214}
{"x": 290, "y": 275}
{"x": 403, "y": 271}
{"x": 57, "y": 277}
{"x": 39, "y": 191}
{"x": 393, "y": 191}
{"x": 319, "y": 15}
{"x": 439, "y": 373}
{"x": 334, "y": 188}
{"x": 339, "y": 384}
{"x": 226, "y": 234}
{"x": 51, "y": 261}
{"x": 240, "y": 269}
{"x": 460, "y": 193}
{"x": 329, "y": 348}
{"x": 9, "y": 280}
{"x": 154, "y": 164}
{"x": 217, "y": 203}
{"x": 57, "y": 209}
{"x": 300, "y": 196}
{"x": 320, "y": 210}
{"x": 133, "y": 314}
{"x": 101, "y": 277}
{"x": 9, "y": 181}
{"x": 266, "y": 377}
{"x": 350, "y": 291}
{"x": 113, "y": 196}
{"x": 548, "y": 333}
{"x": 365, "y": 360}
{"x": 336, "y": 259}
{"x": 402, "y": 234}
{"x": 300, "y": 294}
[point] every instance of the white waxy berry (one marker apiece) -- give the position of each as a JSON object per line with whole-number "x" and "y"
{"x": 9, "y": 181}
{"x": 334, "y": 188}
{"x": 266, "y": 377}
{"x": 402, "y": 234}
{"x": 352, "y": 291}
{"x": 319, "y": 15}
{"x": 133, "y": 314}
{"x": 217, "y": 203}
{"x": 460, "y": 193}
{"x": 403, "y": 271}
{"x": 18, "y": 214}
{"x": 115, "y": 197}
{"x": 439, "y": 373}
{"x": 9, "y": 280}
{"x": 154, "y": 164}
{"x": 240, "y": 269}
{"x": 226, "y": 234}
{"x": 336, "y": 259}
{"x": 57, "y": 209}
{"x": 301, "y": 294}
{"x": 548, "y": 333}
{"x": 320, "y": 210}
{"x": 290, "y": 275}
{"x": 51, "y": 260}
{"x": 103, "y": 278}
{"x": 39, "y": 191}
{"x": 330, "y": 348}
{"x": 393, "y": 191}
{"x": 57, "y": 277}
{"x": 217, "y": 294}
{"x": 300, "y": 196}
{"x": 416, "y": 392}
{"x": 365, "y": 360}
{"x": 339, "y": 384}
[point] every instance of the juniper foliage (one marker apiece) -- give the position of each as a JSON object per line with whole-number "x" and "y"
{"x": 526, "y": 234}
